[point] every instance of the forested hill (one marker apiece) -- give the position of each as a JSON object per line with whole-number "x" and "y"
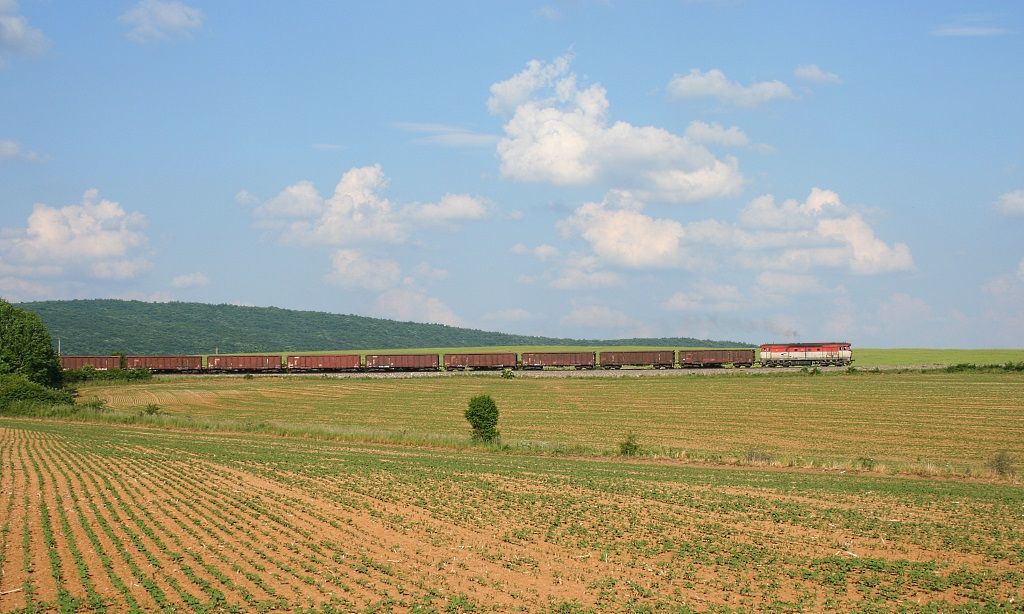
{"x": 106, "y": 326}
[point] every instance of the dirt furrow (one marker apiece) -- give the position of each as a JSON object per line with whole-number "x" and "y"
{"x": 451, "y": 556}
{"x": 12, "y": 573}
{"x": 258, "y": 531}
{"x": 129, "y": 559}
{"x": 209, "y": 530}
{"x": 190, "y": 585}
{"x": 57, "y": 544}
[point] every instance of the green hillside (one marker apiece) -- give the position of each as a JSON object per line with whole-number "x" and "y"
{"x": 104, "y": 326}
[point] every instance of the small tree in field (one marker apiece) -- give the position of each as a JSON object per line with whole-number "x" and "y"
{"x": 482, "y": 415}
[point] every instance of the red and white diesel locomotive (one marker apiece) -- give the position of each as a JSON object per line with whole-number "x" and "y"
{"x": 829, "y": 353}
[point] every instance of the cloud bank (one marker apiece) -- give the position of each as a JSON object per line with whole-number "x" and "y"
{"x": 559, "y": 133}
{"x": 96, "y": 239}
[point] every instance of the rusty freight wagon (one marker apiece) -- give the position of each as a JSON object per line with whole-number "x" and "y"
{"x": 661, "y": 359}
{"x": 716, "y": 358}
{"x": 480, "y": 362}
{"x": 165, "y": 364}
{"x": 327, "y": 362}
{"x": 576, "y": 360}
{"x": 220, "y": 362}
{"x": 401, "y": 362}
{"x": 100, "y": 363}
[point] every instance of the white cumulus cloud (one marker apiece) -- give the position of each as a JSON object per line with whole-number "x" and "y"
{"x": 156, "y": 20}
{"x": 716, "y": 134}
{"x": 619, "y": 233}
{"x": 1011, "y": 203}
{"x": 96, "y": 238}
{"x": 12, "y": 150}
{"x": 190, "y": 280}
{"x": 714, "y": 84}
{"x": 17, "y": 37}
{"x": 864, "y": 252}
{"x": 762, "y": 212}
{"x": 508, "y": 95}
{"x": 815, "y": 74}
{"x": 558, "y": 133}
{"x": 451, "y": 208}
{"x": 356, "y": 212}
{"x": 819, "y": 232}
{"x": 412, "y": 305}
{"x": 351, "y": 269}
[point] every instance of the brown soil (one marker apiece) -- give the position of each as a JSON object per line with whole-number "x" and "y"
{"x": 270, "y": 538}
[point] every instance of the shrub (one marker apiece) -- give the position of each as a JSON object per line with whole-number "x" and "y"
{"x": 630, "y": 446}
{"x": 1003, "y": 463}
{"x": 508, "y": 373}
{"x": 18, "y": 389}
{"x": 482, "y": 415}
{"x": 152, "y": 409}
{"x": 867, "y": 462}
{"x": 26, "y": 347}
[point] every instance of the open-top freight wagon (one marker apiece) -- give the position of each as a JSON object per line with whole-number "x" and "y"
{"x": 165, "y": 364}
{"x": 715, "y": 358}
{"x": 575, "y": 360}
{"x": 664, "y": 359}
{"x": 247, "y": 364}
{"x": 480, "y": 362}
{"x": 402, "y": 362}
{"x": 326, "y": 362}
{"x": 100, "y": 363}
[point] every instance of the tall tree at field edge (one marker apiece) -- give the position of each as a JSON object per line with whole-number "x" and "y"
{"x": 26, "y": 347}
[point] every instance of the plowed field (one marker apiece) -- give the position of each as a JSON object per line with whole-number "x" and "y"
{"x": 120, "y": 519}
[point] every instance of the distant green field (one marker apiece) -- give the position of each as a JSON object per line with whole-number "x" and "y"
{"x": 872, "y": 357}
{"x": 863, "y": 357}
{"x": 956, "y": 422}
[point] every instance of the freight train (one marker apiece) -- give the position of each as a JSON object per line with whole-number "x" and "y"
{"x": 771, "y": 355}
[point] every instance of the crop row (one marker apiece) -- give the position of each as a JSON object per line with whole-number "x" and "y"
{"x": 205, "y": 521}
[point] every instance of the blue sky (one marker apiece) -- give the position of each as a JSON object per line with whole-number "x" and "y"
{"x": 732, "y": 170}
